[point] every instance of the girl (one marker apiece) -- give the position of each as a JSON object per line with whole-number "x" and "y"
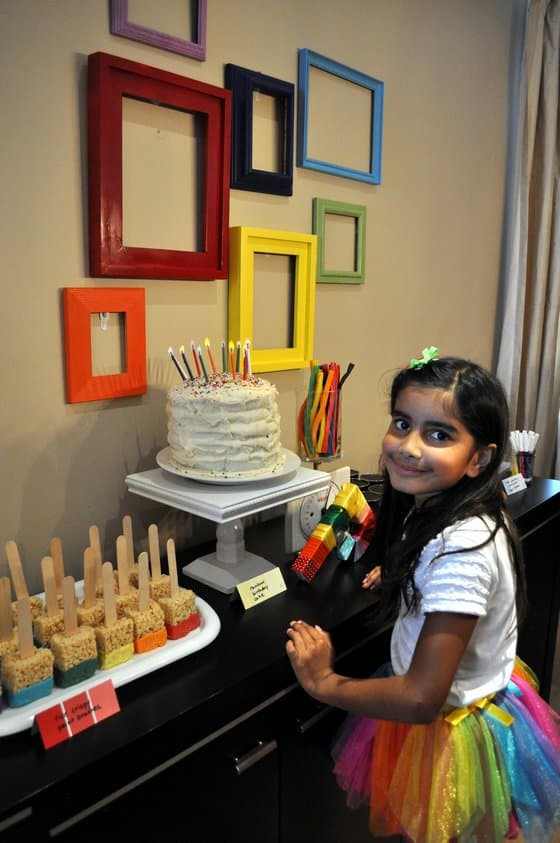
{"x": 453, "y": 741}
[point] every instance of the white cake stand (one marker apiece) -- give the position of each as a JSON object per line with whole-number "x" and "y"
{"x": 227, "y": 505}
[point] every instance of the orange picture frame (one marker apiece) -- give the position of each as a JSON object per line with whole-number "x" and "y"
{"x": 79, "y": 304}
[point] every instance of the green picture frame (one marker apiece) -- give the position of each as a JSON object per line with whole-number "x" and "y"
{"x": 324, "y": 207}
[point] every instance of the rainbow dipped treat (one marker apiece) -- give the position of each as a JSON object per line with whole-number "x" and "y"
{"x": 179, "y": 609}
{"x": 74, "y": 650}
{"x": 114, "y": 637}
{"x": 179, "y": 612}
{"x": 148, "y": 619}
{"x": 349, "y": 524}
{"x": 27, "y": 675}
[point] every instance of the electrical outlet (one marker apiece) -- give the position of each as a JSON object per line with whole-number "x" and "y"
{"x": 303, "y": 514}
{"x": 338, "y": 477}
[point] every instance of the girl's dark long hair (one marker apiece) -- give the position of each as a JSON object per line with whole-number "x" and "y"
{"x": 479, "y": 402}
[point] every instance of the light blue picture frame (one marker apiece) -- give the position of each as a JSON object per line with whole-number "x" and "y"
{"x": 307, "y": 59}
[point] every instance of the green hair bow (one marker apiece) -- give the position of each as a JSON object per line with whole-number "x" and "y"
{"x": 428, "y": 354}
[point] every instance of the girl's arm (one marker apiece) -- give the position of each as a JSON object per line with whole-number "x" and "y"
{"x": 415, "y": 697}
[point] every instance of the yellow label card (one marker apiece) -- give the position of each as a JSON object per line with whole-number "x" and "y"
{"x": 261, "y": 588}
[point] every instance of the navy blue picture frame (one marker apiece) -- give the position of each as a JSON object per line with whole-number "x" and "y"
{"x": 243, "y": 83}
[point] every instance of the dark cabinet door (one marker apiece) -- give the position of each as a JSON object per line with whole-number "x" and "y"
{"x": 227, "y": 790}
{"x": 313, "y": 805}
{"x": 537, "y": 635}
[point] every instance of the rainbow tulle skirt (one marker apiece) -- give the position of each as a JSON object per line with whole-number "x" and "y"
{"x": 482, "y": 773}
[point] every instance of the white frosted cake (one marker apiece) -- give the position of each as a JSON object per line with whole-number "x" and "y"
{"x": 225, "y": 427}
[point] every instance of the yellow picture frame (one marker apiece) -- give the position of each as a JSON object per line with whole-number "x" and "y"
{"x": 244, "y": 243}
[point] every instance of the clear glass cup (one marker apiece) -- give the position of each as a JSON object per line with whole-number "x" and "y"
{"x": 319, "y": 430}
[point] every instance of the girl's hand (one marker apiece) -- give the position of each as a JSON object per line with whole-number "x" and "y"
{"x": 372, "y": 578}
{"x": 311, "y": 654}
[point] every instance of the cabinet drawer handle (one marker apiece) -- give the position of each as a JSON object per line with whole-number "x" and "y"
{"x": 259, "y": 752}
{"x": 305, "y": 725}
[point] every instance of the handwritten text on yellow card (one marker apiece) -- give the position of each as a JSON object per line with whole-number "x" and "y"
{"x": 261, "y": 588}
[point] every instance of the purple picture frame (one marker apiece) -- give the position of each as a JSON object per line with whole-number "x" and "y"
{"x": 121, "y": 25}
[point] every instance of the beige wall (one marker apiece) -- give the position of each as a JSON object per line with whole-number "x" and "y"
{"x": 433, "y": 236}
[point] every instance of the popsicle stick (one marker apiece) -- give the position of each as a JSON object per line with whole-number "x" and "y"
{"x": 109, "y": 595}
{"x": 153, "y": 544}
{"x": 49, "y": 585}
{"x": 58, "y": 559}
{"x": 122, "y": 565}
{"x": 69, "y": 601}
{"x": 90, "y": 576}
{"x": 143, "y": 582}
{"x": 6, "y": 620}
{"x": 16, "y": 570}
{"x": 95, "y": 543}
{"x": 25, "y": 627}
{"x": 128, "y": 534}
{"x": 172, "y": 567}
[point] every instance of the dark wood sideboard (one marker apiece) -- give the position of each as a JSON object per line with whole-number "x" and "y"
{"x": 223, "y": 744}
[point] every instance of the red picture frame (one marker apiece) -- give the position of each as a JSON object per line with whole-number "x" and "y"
{"x": 110, "y": 78}
{"x": 79, "y": 303}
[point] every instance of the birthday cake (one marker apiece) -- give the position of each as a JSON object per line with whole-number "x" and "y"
{"x": 224, "y": 426}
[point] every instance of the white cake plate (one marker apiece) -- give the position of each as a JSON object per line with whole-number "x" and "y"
{"x": 227, "y": 505}
{"x": 289, "y": 465}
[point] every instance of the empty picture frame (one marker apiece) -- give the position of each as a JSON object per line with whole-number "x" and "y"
{"x": 245, "y": 244}
{"x": 245, "y": 85}
{"x": 110, "y": 80}
{"x": 79, "y": 304}
{"x": 194, "y": 49}
{"x": 322, "y": 208}
{"x": 307, "y": 61}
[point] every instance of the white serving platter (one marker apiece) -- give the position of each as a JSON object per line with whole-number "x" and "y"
{"x": 18, "y": 719}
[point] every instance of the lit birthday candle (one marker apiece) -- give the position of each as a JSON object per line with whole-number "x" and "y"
{"x": 185, "y": 361}
{"x": 224, "y": 359}
{"x": 195, "y": 358}
{"x": 201, "y": 361}
{"x": 210, "y": 356}
{"x": 231, "y": 358}
{"x": 238, "y": 357}
{"x": 177, "y": 364}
